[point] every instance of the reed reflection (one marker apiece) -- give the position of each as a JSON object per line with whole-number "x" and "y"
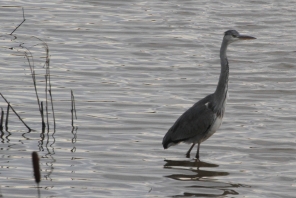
{"x": 7, "y": 137}
{"x": 206, "y": 180}
{"x": 1, "y": 136}
{"x": 74, "y": 139}
{"x": 49, "y": 155}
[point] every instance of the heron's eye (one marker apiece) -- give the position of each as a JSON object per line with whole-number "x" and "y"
{"x": 234, "y": 36}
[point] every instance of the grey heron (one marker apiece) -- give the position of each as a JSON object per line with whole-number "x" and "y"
{"x": 204, "y": 118}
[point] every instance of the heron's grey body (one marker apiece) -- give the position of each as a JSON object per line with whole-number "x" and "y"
{"x": 204, "y": 118}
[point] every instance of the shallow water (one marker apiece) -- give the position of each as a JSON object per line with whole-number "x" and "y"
{"x": 134, "y": 67}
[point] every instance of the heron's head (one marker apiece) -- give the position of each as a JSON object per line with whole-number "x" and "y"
{"x": 232, "y": 36}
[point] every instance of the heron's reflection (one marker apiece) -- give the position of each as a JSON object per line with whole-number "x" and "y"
{"x": 194, "y": 166}
{"x": 202, "y": 177}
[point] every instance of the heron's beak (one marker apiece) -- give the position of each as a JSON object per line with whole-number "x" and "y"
{"x": 245, "y": 37}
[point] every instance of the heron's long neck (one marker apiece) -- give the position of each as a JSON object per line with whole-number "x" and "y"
{"x": 221, "y": 91}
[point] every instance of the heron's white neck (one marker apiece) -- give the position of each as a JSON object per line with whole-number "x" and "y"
{"x": 222, "y": 87}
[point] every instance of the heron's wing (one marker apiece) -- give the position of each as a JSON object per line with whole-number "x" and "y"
{"x": 195, "y": 122}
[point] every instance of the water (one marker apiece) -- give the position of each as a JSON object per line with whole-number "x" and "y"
{"x": 134, "y": 68}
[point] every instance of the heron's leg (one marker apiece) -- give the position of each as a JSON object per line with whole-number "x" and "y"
{"x": 197, "y": 153}
{"x": 188, "y": 152}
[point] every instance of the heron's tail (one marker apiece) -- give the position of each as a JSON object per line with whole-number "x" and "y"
{"x": 166, "y": 141}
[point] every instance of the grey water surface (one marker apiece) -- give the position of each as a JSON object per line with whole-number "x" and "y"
{"x": 134, "y": 68}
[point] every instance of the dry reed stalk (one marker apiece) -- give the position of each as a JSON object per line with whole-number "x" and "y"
{"x": 48, "y": 82}
{"x": 7, "y": 115}
{"x": 73, "y": 108}
{"x": 1, "y": 121}
{"x": 42, "y": 116}
{"x": 20, "y": 23}
{"x": 10, "y": 107}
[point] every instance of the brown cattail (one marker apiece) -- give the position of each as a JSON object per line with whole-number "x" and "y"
{"x": 36, "y": 169}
